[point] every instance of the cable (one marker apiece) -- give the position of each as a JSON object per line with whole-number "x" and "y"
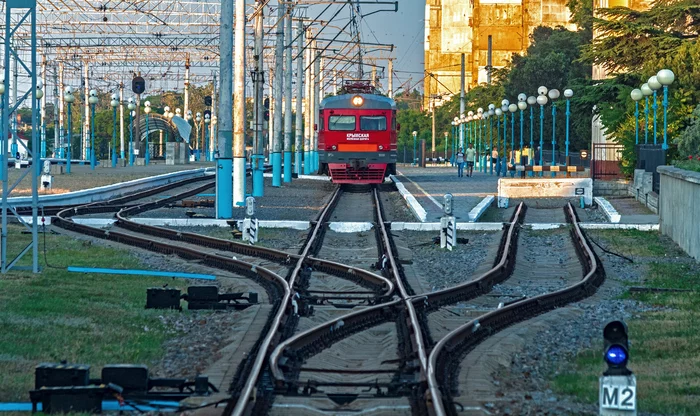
{"x": 43, "y": 227}
{"x": 610, "y": 252}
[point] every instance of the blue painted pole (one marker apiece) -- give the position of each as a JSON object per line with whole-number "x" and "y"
{"x": 69, "y": 128}
{"x": 512, "y": 143}
{"x": 554, "y": 136}
{"x": 521, "y": 137}
{"x": 665, "y": 103}
{"x": 131, "y": 138}
{"x": 655, "y": 107}
{"x": 491, "y": 140}
{"x": 131, "y": 272}
{"x": 225, "y": 186}
{"x": 636, "y": 123}
{"x": 566, "y": 143}
{"x": 541, "y": 162}
{"x": 532, "y": 142}
{"x": 114, "y": 138}
{"x": 147, "y": 155}
{"x": 505, "y": 143}
{"x": 646, "y": 124}
{"x": 93, "y": 157}
{"x": 498, "y": 146}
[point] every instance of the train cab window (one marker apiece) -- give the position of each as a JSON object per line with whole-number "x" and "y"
{"x": 373, "y": 123}
{"x": 321, "y": 122}
{"x": 341, "y": 123}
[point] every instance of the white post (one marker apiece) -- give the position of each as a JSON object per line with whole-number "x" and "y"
{"x": 121, "y": 120}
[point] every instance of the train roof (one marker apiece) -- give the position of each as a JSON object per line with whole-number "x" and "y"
{"x": 372, "y": 102}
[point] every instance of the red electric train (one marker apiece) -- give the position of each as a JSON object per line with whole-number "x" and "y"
{"x": 357, "y": 135}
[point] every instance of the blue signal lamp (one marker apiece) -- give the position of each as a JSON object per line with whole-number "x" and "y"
{"x": 616, "y": 349}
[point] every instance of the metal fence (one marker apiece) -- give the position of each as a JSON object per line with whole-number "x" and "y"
{"x": 605, "y": 161}
{"x": 649, "y": 157}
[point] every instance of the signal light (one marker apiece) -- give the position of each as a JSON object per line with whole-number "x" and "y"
{"x": 138, "y": 85}
{"x": 616, "y": 349}
{"x": 357, "y": 101}
{"x": 267, "y": 115}
{"x": 207, "y": 100}
{"x": 266, "y": 103}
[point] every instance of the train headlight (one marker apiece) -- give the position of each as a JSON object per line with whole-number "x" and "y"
{"x": 334, "y": 147}
{"x": 381, "y": 147}
{"x": 357, "y": 101}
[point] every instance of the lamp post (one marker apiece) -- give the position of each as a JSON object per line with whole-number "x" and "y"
{"x": 214, "y": 139}
{"x": 531, "y": 101}
{"x": 207, "y": 145}
{"x": 553, "y": 95}
{"x": 69, "y": 99}
{"x": 504, "y": 109}
{"x": 666, "y": 78}
{"x": 470, "y": 128}
{"x": 647, "y": 92}
{"x": 654, "y": 84}
{"x": 455, "y": 123}
{"x": 92, "y": 100}
{"x": 147, "y": 154}
{"x": 114, "y": 103}
{"x": 480, "y": 151}
{"x": 198, "y": 124}
{"x": 166, "y": 114}
{"x": 522, "y": 106}
{"x": 131, "y": 106}
{"x": 512, "y": 108}
{"x": 447, "y": 135}
{"x": 636, "y": 95}
{"x": 568, "y": 93}
{"x": 491, "y": 113}
{"x": 499, "y": 113}
{"x": 415, "y": 134}
{"x": 542, "y": 101}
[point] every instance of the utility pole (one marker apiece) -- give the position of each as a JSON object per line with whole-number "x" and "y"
{"x": 61, "y": 88}
{"x": 258, "y": 86}
{"x": 230, "y": 191}
{"x": 298, "y": 142}
{"x": 212, "y": 124}
{"x": 489, "y": 60}
{"x": 85, "y": 153}
{"x": 121, "y": 120}
{"x": 187, "y": 84}
{"x": 308, "y": 127}
{"x": 42, "y": 107}
{"x": 462, "y": 103}
{"x": 316, "y": 102}
{"x": 288, "y": 96}
{"x": 391, "y": 78}
{"x": 278, "y": 87}
{"x": 56, "y": 123}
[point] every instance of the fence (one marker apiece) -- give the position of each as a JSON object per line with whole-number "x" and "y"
{"x": 649, "y": 157}
{"x": 605, "y": 161}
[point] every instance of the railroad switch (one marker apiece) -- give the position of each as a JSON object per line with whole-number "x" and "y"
{"x": 198, "y": 203}
{"x": 198, "y": 297}
{"x": 63, "y": 388}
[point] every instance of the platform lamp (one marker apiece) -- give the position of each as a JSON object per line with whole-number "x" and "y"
{"x": 114, "y": 102}
{"x": 68, "y": 98}
{"x": 522, "y": 106}
{"x": 455, "y": 127}
{"x": 504, "y": 109}
{"x": 207, "y": 145}
{"x": 531, "y": 101}
{"x": 470, "y": 128}
{"x": 198, "y": 125}
{"x": 499, "y": 113}
{"x": 512, "y": 108}
{"x": 568, "y": 93}
{"x": 214, "y": 137}
{"x": 542, "y": 101}
{"x": 415, "y": 134}
{"x": 636, "y": 95}
{"x": 92, "y": 100}
{"x": 647, "y": 92}
{"x": 481, "y": 120}
{"x": 131, "y": 106}
{"x": 447, "y": 136}
{"x": 666, "y": 78}
{"x": 147, "y": 155}
{"x": 491, "y": 112}
{"x": 166, "y": 114}
{"x": 654, "y": 84}
{"x": 554, "y": 95}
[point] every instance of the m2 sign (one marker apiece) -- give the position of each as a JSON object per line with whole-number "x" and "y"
{"x": 618, "y": 397}
{"x": 357, "y": 136}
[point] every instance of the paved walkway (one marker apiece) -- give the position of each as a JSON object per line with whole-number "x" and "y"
{"x": 429, "y": 185}
{"x": 632, "y": 212}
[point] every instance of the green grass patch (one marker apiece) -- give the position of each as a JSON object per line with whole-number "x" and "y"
{"x": 636, "y": 243}
{"x": 93, "y": 319}
{"x": 664, "y": 347}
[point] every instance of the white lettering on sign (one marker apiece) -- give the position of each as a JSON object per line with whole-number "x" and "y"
{"x": 357, "y": 136}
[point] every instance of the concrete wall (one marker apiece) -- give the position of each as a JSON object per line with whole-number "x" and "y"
{"x": 679, "y": 207}
{"x": 544, "y": 188}
{"x": 611, "y": 188}
{"x": 641, "y": 189}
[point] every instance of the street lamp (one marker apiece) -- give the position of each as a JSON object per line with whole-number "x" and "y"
{"x": 92, "y": 100}
{"x": 504, "y": 108}
{"x": 166, "y": 114}
{"x": 470, "y": 127}
{"x": 512, "y": 108}
{"x": 666, "y": 78}
{"x": 499, "y": 113}
{"x": 415, "y": 134}
{"x": 455, "y": 126}
{"x": 198, "y": 124}
{"x": 447, "y": 135}
{"x": 39, "y": 95}
{"x": 542, "y": 101}
{"x": 215, "y": 139}
{"x": 553, "y": 95}
{"x": 69, "y": 99}
{"x": 522, "y": 105}
{"x": 568, "y": 93}
{"x": 114, "y": 103}
{"x": 147, "y": 155}
{"x": 636, "y": 95}
{"x": 491, "y": 113}
{"x": 208, "y": 147}
{"x": 531, "y": 101}
{"x": 131, "y": 106}
{"x": 654, "y": 84}
{"x": 647, "y": 92}
{"x": 480, "y": 151}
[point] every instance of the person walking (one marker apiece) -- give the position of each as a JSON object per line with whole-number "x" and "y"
{"x": 460, "y": 163}
{"x": 494, "y": 158}
{"x": 471, "y": 158}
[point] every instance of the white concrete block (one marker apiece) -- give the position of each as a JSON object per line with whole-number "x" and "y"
{"x": 545, "y": 188}
{"x": 608, "y": 209}
{"x": 411, "y": 201}
{"x": 350, "y": 227}
{"x": 478, "y": 210}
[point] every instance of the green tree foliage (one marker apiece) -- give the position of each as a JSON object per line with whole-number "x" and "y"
{"x": 689, "y": 140}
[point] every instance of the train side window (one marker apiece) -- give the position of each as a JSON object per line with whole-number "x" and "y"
{"x": 321, "y": 122}
{"x": 341, "y": 123}
{"x": 373, "y": 123}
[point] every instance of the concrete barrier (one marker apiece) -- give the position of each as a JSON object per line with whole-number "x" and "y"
{"x": 544, "y": 188}
{"x": 608, "y": 209}
{"x": 679, "y": 207}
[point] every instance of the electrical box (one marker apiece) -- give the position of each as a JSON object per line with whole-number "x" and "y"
{"x": 83, "y": 399}
{"x": 132, "y": 378}
{"x": 162, "y": 298}
{"x": 60, "y": 375}
{"x": 204, "y": 293}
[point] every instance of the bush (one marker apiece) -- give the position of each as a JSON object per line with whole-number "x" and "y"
{"x": 689, "y": 140}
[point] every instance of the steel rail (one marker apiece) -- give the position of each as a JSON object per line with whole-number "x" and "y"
{"x": 472, "y": 333}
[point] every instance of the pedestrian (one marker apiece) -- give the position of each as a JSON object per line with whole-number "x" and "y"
{"x": 494, "y": 158}
{"x": 471, "y": 157}
{"x": 460, "y": 163}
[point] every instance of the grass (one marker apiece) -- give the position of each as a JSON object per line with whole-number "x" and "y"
{"x": 688, "y": 164}
{"x": 80, "y": 318}
{"x": 664, "y": 344}
{"x": 636, "y": 243}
